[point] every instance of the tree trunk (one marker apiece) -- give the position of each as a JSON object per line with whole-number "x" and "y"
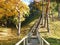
{"x": 58, "y": 11}
{"x": 19, "y": 21}
{"x": 42, "y": 11}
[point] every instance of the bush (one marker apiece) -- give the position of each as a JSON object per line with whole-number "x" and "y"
{"x": 8, "y": 21}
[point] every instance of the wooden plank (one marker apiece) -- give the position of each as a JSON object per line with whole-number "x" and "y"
{"x": 21, "y": 40}
{"x": 24, "y": 42}
{"x": 33, "y": 42}
{"x": 45, "y": 41}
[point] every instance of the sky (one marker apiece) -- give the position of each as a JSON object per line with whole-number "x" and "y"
{"x": 27, "y": 1}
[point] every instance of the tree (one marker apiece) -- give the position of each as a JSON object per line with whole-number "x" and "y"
{"x": 8, "y": 8}
{"x": 58, "y": 5}
{"x": 15, "y": 8}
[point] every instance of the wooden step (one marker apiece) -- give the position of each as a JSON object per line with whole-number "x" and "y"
{"x": 33, "y": 41}
{"x": 33, "y": 36}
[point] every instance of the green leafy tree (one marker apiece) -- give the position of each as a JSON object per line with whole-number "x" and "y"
{"x": 58, "y": 5}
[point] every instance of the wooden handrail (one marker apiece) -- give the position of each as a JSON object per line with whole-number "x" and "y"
{"x": 36, "y": 26}
{"x": 42, "y": 39}
{"x": 45, "y": 40}
{"x": 21, "y": 40}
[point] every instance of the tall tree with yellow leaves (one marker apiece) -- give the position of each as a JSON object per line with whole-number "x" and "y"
{"x": 15, "y": 8}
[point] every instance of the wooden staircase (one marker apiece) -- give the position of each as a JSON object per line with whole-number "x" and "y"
{"x": 33, "y": 37}
{"x": 33, "y": 40}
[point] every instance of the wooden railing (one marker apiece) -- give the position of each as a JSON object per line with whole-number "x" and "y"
{"x": 24, "y": 41}
{"x": 42, "y": 41}
{"x": 25, "y": 38}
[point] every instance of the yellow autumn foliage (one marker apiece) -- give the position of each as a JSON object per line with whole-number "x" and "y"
{"x": 8, "y": 7}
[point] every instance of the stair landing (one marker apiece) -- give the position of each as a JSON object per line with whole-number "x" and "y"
{"x": 33, "y": 41}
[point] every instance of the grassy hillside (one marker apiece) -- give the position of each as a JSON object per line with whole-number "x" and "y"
{"x": 54, "y": 35}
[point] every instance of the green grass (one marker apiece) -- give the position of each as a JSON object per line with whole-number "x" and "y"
{"x": 53, "y": 41}
{"x": 53, "y": 37}
{"x": 12, "y": 38}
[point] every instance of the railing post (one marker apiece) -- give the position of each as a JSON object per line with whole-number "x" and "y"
{"x": 24, "y": 42}
{"x": 42, "y": 42}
